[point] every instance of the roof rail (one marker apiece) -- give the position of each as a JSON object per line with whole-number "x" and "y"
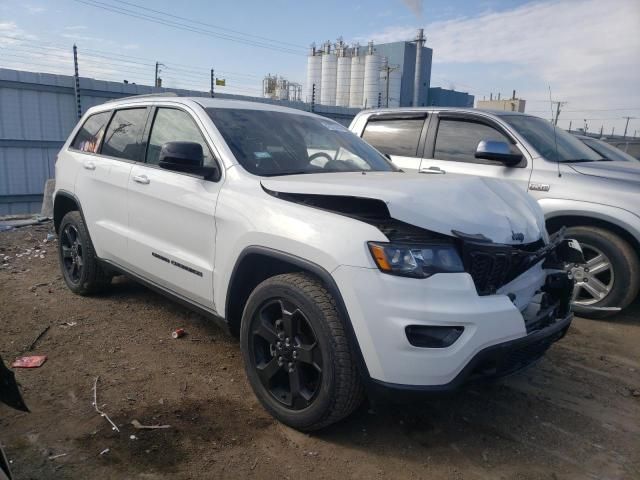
{"x": 146, "y": 95}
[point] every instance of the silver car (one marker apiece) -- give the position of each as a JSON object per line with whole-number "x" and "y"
{"x": 598, "y": 200}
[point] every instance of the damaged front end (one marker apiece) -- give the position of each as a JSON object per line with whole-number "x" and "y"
{"x": 492, "y": 266}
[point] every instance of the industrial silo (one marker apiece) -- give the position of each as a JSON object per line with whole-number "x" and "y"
{"x": 356, "y": 88}
{"x": 372, "y": 65}
{"x": 314, "y": 74}
{"x": 329, "y": 76}
{"x": 343, "y": 83}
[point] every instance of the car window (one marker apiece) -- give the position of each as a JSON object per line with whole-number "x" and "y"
{"x": 457, "y": 140}
{"x": 271, "y": 143}
{"x": 173, "y": 125}
{"x": 550, "y": 141}
{"x": 395, "y": 136}
{"x": 607, "y": 151}
{"x": 89, "y": 136}
{"x": 122, "y": 139}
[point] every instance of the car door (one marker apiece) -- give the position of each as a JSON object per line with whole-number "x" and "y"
{"x": 451, "y": 145}
{"x": 107, "y": 146}
{"x": 398, "y": 136}
{"x": 171, "y": 214}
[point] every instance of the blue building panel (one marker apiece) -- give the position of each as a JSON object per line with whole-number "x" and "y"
{"x": 441, "y": 97}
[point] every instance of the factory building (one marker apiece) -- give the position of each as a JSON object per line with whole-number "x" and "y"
{"x": 279, "y": 88}
{"x": 441, "y": 97}
{"x": 512, "y": 104}
{"x": 394, "y": 74}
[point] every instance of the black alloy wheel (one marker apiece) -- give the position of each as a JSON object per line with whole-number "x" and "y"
{"x": 72, "y": 253}
{"x": 297, "y": 355}
{"x": 286, "y": 354}
{"x": 81, "y": 268}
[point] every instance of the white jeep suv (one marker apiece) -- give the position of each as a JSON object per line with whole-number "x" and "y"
{"x": 340, "y": 274}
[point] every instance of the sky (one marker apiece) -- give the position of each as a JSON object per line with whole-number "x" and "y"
{"x": 586, "y": 51}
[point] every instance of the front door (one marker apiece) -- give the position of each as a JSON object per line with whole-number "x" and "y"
{"x": 171, "y": 214}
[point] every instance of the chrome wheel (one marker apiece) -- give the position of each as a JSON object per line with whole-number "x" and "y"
{"x": 593, "y": 281}
{"x": 72, "y": 253}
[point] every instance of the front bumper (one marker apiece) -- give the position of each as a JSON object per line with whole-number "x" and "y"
{"x": 381, "y": 307}
{"x": 492, "y": 362}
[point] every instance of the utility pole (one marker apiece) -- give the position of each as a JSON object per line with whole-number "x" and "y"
{"x": 569, "y": 126}
{"x": 76, "y": 84}
{"x": 612, "y": 130}
{"x": 388, "y": 71}
{"x": 212, "y": 82}
{"x": 601, "y": 128}
{"x": 624, "y": 135}
{"x": 586, "y": 126}
{"x": 558, "y": 105}
{"x": 158, "y": 82}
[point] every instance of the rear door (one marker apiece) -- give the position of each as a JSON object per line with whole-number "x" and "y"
{"x": 452, "y": 141}
{"x": 107, "y": 146}
{"x": 399, "y": 136}
{"x": 171, "y": 214}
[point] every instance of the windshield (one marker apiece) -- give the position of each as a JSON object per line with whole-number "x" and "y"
{"x": 607, "y": 151}
{"x": 561, "y": 147}
{"x": 269, "y": 143}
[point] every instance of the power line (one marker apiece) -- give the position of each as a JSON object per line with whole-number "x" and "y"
{"x": 209, "y": 24}
{"x": 112, "y": 55}
{"x": 186, "y": 27}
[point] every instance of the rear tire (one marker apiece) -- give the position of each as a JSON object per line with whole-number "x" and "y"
{"x": 618, "y": 270}
{"x": 296, "y": 353}
{"x": 81, "y": 268}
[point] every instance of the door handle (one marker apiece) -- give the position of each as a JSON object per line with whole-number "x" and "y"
{"x": 89, "y": 165}
{"x": 143, "y": 179}
{"x": 432, "y": 169}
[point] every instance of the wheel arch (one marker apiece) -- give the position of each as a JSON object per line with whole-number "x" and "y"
{"x": 63, "y": 203}
{"x": 256, "y": 264}
{"x": 572, "y": 220}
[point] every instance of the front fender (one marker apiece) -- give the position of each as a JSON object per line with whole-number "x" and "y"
{"x": 555, "y": 207}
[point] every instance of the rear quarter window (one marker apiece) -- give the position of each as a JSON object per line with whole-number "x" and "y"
{"x": 90, "y": 135}
{"x": 395, "y": 136}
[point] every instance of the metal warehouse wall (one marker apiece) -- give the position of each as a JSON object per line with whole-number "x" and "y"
{"x": 37, "y": 113}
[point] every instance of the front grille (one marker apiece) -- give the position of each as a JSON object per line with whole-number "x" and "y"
{"x": 492, "y": 266}
{"x": 512, "y": 360}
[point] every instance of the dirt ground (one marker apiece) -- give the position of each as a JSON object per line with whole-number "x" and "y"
{"x": 575, "y": 415}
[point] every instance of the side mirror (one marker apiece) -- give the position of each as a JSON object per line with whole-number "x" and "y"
{"x": 499, "y": 151}
{"x": 185, "y": 157}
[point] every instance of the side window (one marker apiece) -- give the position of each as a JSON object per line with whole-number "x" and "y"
{"x": 172, "y": 125}
{"x": 457, "y": 140}
{"x": 90, "y": 135}
{"x": 122, "y": 139}
{"x": 395, "y": 137}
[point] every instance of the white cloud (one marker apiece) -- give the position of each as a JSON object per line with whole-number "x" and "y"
{"x": 76, "y": 27}
{"x": 586, "y": 50}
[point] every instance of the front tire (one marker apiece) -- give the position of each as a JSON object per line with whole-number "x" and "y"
{"x": 611, "y": 276}
{"x": 296, "y": 353}
{"x": 81, "y": 268}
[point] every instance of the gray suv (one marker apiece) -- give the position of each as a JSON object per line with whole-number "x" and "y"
{"x": 598, "y": 200}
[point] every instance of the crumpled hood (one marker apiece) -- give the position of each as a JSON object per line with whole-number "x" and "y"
{"x": 610, "y": 169}
{"x": 497, "y": 209}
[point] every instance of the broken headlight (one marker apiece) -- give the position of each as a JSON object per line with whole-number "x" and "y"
{"x": 418, "y": 261}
